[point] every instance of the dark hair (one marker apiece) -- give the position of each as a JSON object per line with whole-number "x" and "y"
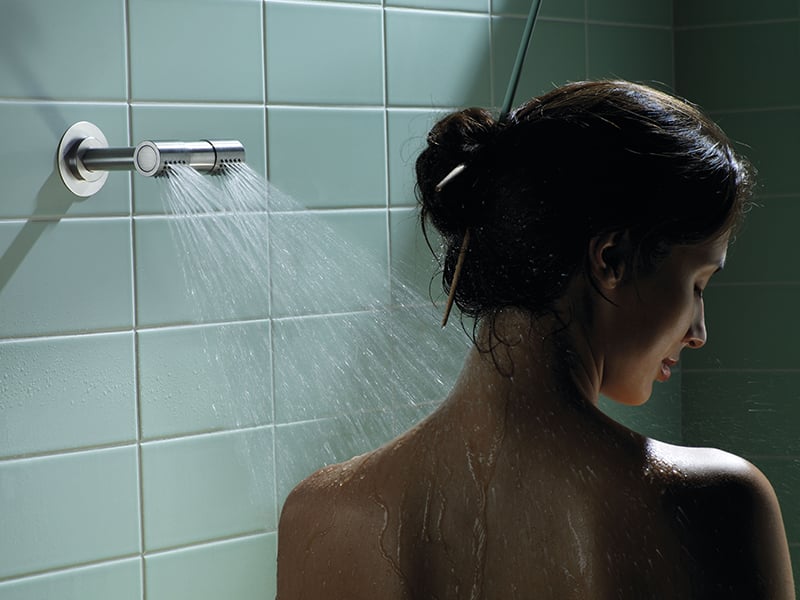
{"x": 585, "y": 159}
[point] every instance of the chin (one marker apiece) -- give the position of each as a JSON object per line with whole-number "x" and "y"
{"x": 630, "y": 397}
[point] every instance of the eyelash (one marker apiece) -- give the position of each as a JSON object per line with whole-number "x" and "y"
{"x": 698, "y": 292}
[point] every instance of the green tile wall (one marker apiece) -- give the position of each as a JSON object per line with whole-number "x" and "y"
{"x": 736, "y": 59}
{"x": 158, "y": 438}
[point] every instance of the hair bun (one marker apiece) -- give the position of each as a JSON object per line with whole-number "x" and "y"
{"x": 455, "y": 140}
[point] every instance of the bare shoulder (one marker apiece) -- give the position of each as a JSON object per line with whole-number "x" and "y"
{"x": 329, "y": 540}
{"x": 729, "y": 521}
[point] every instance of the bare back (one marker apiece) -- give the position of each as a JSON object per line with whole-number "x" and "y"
{"x": 480, "y": 501}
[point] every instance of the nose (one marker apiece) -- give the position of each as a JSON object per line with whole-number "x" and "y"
{"x": 696, "y": 336}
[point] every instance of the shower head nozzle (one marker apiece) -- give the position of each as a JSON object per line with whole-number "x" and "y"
{"x": 154, "y": 158}
{"x": 84, "y": 157}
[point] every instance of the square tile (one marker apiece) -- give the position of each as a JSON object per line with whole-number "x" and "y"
{"x": 201, "y": 269}
{"x": 195, "y": 379}
{"x": 764, "y": 248}
{"x": 65, "y": 277}
{"x": 413, "y": 264}
{"x": 328, "y": 158}
{"x": 326, "y": 366}
{"x": 341, "y": 365}
{"x": 406, "y": 139}
{"x": 328, "y": 262}
{"x": 68, "y": 509}
{"x": 60, "y": 51}
{"x": 120, "y": 579}
{"x": 194, "y": 123}
{"x": 739, "y": 337}
{"x": 455, "y": 51}
{"x": 642, "y": 54}
{"x": 206, "y": 487}
{"x": 71, "y": 392}
{"x": 241, "y": 568}
{"x": 543, "y": 69}
{"x": 186, "y": 50}
{"x": 32, "y": 185}
{"x": 770, "y": 139}
{"x": 752, "y": 413}
{"x": 738, "y": 67}
{"x": 324, "y": 54}
{"x": 716, "y": 12}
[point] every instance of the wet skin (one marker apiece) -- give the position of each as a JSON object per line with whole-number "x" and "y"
{"x": 519, "y": 487}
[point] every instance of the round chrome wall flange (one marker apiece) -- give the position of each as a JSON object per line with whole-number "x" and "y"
{"x": 76, "y": 140}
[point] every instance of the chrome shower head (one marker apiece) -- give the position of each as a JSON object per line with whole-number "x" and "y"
{"x": 84, "y": 157}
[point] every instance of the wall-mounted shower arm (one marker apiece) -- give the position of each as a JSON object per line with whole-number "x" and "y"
{"x": 84, "y": 157}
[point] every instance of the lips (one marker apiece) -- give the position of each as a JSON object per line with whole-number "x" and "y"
{"x": 666, "y": 369}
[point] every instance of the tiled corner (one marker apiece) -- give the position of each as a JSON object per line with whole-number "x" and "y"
{"x": 770, "y": 139}
{"x": 201, "y": 269}
{"x": 68, "y": 510}
{"x": 761, "y": 251}
{"x": 739, "y": 335}
{"x": 642, "y": 54}
{"x": 64, "y": 277}
{"x": 563, "y": 9}
{"x": 717, "y": 12}
{"x": 324, "y": 54}
{"x": 207, "y": 487}
{"x": 543, "y": 69}
{"x": 739, "y": 67}
{"x": 62, "y": 51}
{"x": 119, "y": 579}
{"x": 204, "y": 378}
{"x": 306, "y": 160}
{"x": 454, "y": 48}
{"x": 746, "y": 412}
{"x": 192, "y": 123}
{"x": 66, "y": 392}
{"x": 183, "y": 50}
{"x": 31, "y": 181}
{"x": 653, "y": 12}
{"x": 407, "y": 130}
{"x": 328, "y": 262}
{"x": 240, "y": 568}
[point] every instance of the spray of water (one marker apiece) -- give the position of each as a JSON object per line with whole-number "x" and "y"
{"x": 355, "y": 354}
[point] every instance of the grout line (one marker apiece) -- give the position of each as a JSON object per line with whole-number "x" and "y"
{"x": 66, "y": 569}
{"x": 211, "y": 542}
{"x": 81, "y": 102}
{"x": 586, "y": 39}
{"x": 66, "y": 451}
{"x": 787, "y": 20}
{"x": 273, "y": 396}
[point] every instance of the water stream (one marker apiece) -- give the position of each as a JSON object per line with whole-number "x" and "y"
{"x": 352, "y": 351}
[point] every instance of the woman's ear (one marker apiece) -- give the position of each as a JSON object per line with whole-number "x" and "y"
{"x": 608, "y": 258}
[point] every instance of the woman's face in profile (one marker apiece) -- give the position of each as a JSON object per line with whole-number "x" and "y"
{"x": 656, "y": 317}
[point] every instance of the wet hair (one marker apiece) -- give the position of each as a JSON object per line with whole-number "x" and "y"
{"x": 586, "y": 159}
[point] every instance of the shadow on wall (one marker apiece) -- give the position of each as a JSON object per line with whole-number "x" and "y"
{"x": 18, "y": 30}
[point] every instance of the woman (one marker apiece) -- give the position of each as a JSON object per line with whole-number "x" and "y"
{"x": 588, "y": 221}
